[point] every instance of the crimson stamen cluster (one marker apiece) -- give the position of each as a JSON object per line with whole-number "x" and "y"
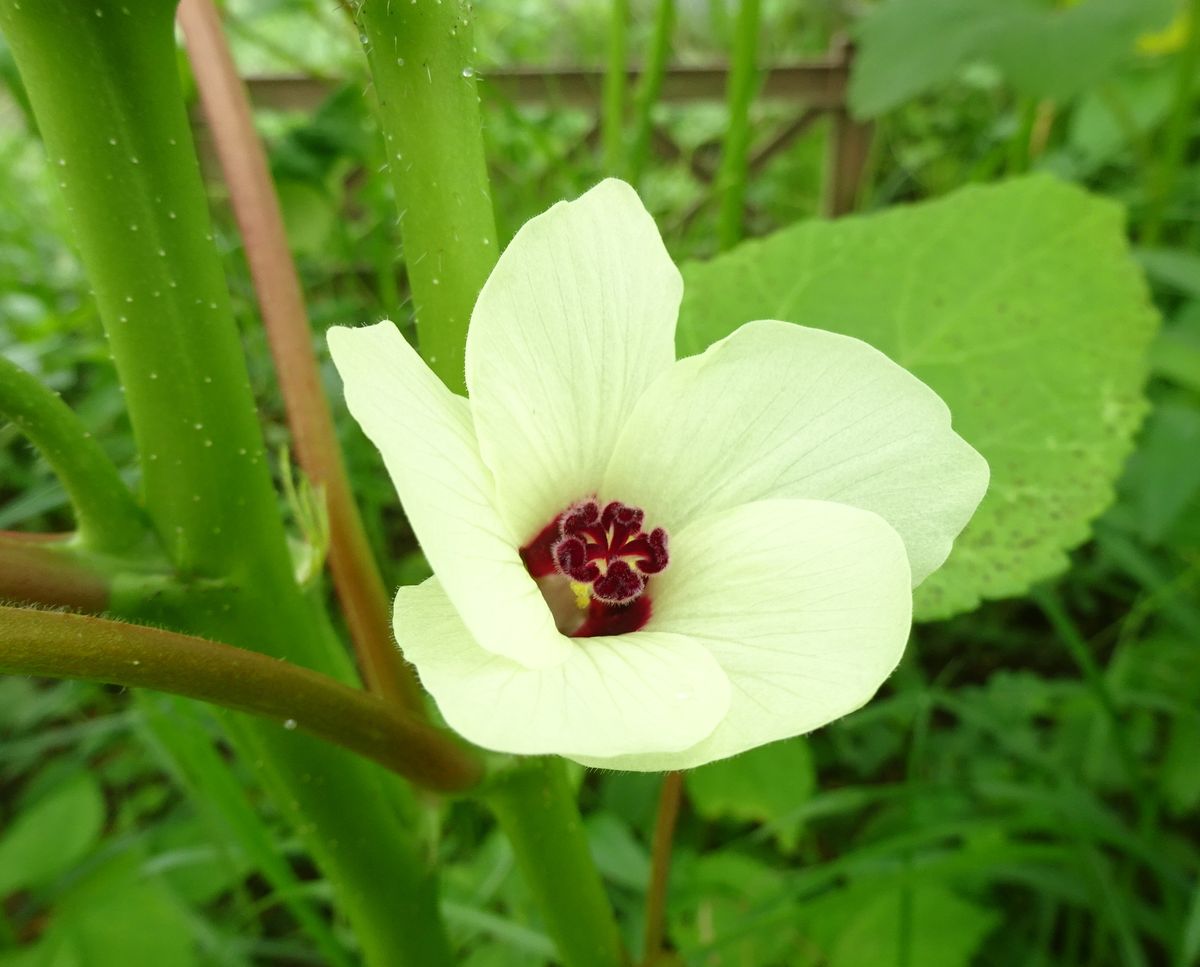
{"x": 608, "y": 549}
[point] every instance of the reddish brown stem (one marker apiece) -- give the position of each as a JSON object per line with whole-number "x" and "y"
{"x": 43, "y": 569}
{"x": 60, "y": 645}
{"x": 660, "y": 869}
{"x": 360, "y": 588}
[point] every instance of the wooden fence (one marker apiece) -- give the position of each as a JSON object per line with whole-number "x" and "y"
{"x": 817, "y": 88}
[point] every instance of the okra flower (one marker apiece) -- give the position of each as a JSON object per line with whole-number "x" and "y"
{"x": 642, "y": 563}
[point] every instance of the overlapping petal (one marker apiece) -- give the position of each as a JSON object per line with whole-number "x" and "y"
{"x": 637, "y": 693}
{"x": 427, "y": 439}
{"x": 806, "y": 605}
{"x": 779, "y": 410}
{"x": 575, "y": 321}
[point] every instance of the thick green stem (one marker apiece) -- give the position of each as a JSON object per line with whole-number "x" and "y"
{"x": 55, "y": 644}
{"x": 364, "y": 599}
{"x": 418, "y": 54}
{"x": 648, "y": 88}
{"x": 1179, "y": 126}
{"x": 421, "y": 59}
{"x": 117, "y": 137}
{"x": 536, "y": 809}
{"x": 104, "y": 85}
{"x": 743, "y": 81}
{"x": 616, "y": 87}
{"x": 108, "y": 519}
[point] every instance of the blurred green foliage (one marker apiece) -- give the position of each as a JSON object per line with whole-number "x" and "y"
{"x": 980, "y": 811}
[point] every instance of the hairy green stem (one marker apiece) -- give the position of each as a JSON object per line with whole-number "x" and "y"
{"x": 1178, "y": 128}
{"x": 648, "y": 88}
{"x": 55, "y": 644}
{"x": 418, "y": 55}
{"x": 616, "y": 88}
{"x": 743, "y": 82}
{"x": 107, "y": 517}
{"x": 536, "y": 809}
{"x": 104, "y": 85}
{"x": 421, "y": 58}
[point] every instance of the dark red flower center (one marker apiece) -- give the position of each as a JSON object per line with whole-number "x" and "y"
{"x": 605, "y": 552}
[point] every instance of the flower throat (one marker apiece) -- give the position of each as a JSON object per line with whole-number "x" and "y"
{"x": 593, "y": 566}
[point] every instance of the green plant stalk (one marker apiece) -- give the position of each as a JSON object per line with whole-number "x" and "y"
{"x": 421, "y": 59}
{"x": 51, "y": 570}
{"x": 1175, "y": 137}
{"x": 443, "y": 156}
{"x": 649, "y": 87}
{"x": 743, "y": 82}
{"x": 616, "y": 88}
{"x": 365, "y": 601}
{"x": 176, "y": 729}
{"x": 107, "y": 518}
{"x": 535, "y": 807}
{"x": 1020, "y": 141}
{"x": 54, "y": 644}
{"x": 660, "y": 866}
{"x": 104, "y": 85}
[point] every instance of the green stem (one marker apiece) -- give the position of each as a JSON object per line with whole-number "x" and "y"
{"x": 119, "y": 144}
{"x": 108, "y": 519}
{"x": 660, "y": 866}
{"x": 418, "y": 54}
{"x": 1019, "y": 143}
{"x": 421, "y": 58}
{"x": 648, "y": 88}
{"x": 104, "y": 86}
{"x": 536, "y": 809}
{"x": 1179, "y": 124}
{"x": 364, "y": 599}
{"x": 55, "y": 644}
{"x": 616, "y": 87}
{"x": 52, "y": 571}
{"x": 176, "y": 729}
{"x": 743, "y": 81}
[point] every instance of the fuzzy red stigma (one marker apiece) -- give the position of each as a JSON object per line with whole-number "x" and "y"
{"x": 608, "y": 549}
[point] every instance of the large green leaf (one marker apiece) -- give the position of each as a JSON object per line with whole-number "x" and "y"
{"x": 115, "y": 917}
{"x": 52, "y": 835}
{"x": 1043, "y": 50}
{"x": 768, "y": 784}
{"x": 1020, "y": 304}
